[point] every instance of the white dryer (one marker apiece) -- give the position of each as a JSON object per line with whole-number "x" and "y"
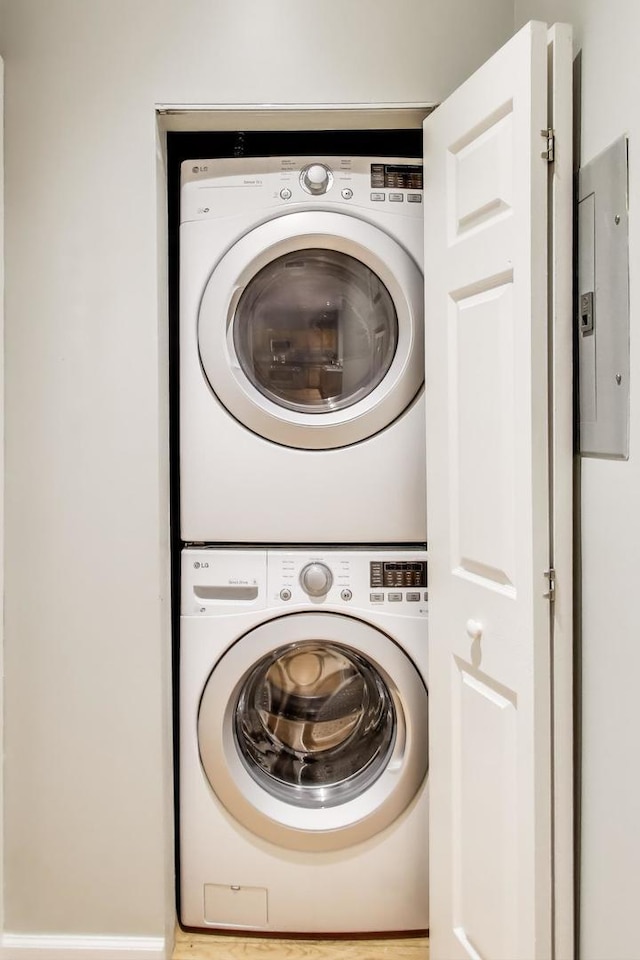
{"x": 303, "y": 741}
{"x": 301, "y": 351}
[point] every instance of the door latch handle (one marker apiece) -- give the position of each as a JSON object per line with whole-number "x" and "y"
{"x": 474, "y": 629}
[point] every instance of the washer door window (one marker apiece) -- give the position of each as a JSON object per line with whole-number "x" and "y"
{"x": 312, "y": 731}
{"x": 310, "y": 330}
{"x": 315, "y": 724}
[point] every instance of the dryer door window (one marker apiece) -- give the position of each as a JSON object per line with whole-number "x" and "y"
{"x": 312, "y": 731}
{"x": 310, "y": 330}
{"x": 315, "y": 724}
{"x": 315, "y": 330}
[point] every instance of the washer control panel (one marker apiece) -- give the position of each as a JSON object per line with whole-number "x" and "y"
{"x": 217, "y": 580}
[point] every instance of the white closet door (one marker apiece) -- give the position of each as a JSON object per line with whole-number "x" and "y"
{"x": 1, "y": 438}
{"x": 489, "y": 450}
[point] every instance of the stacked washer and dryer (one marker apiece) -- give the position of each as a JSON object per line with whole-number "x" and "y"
{"x": 303, "y": 747}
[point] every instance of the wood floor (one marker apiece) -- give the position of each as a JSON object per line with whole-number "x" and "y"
{"x": 190, "y": 946}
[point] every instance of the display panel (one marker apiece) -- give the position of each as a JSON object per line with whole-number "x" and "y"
{"x": 403, "y": 176}
{"x": 411, "y": 573}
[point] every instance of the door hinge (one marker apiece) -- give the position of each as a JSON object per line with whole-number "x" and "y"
{"x": 550, "y": 575}
{"x": 550, "y": 136}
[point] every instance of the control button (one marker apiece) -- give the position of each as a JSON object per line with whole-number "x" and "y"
{"x": 316, "y": 178}
{"x": 376, "y": 597}
{"x": 426, "y": 595}
{"x": 377, "y": 174}
{"x": 414, "y": 198}
{"x": 346, "y": 594}
{"x": 396, "y": 197}
{"x": 377, "y": 196}
{"x": 285, "y": 193}
{"x": 316, "y": 579}
{"x": 375, "y": 568}
{"x": 413, "y": 596}
{"x": 394, "y": 597}
{"x": 347, "y": 193}
{"x": 285, "y": 594}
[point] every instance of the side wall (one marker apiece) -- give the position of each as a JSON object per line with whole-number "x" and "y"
{"x": 606, "y": 31}
{"x": 87, "y": 750}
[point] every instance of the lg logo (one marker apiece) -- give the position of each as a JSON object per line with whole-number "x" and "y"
{"x": 197, "y": 565}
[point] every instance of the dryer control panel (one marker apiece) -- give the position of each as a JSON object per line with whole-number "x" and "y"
{"x": 233, "y": 186}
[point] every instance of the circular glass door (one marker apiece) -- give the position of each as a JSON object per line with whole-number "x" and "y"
{"x": 310, "y": 330}
{"x": 315, "y": 330}
{"x": 312, "y": 731}
{"x": 314, "y": 723}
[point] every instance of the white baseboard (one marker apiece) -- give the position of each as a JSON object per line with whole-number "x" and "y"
{"x": 19, "y": 946}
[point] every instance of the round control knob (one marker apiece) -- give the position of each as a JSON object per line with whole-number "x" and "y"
{"x": 316, "y": 178}
{"x": 316, "y": 579}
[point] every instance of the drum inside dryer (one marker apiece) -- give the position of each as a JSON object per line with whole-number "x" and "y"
{"x": 315, "y": 330}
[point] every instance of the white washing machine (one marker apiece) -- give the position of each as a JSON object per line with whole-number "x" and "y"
{"x": 303, "y": 740}
{"x": 301, "y": 351}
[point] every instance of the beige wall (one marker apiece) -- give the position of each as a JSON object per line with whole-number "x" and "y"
{"x": 607, "y": 32}
{"x": 87, "y": 788}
